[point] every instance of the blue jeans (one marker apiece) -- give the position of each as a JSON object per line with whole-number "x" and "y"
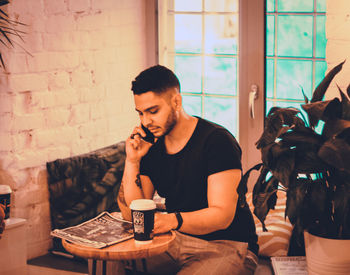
{"x": 190, "y": 255}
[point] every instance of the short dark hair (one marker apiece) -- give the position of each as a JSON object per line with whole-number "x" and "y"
{"x": 156, "y": 79}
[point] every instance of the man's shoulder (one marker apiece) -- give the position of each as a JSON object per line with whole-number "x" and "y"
{"x": 214, "y": 130}
{"x": 211, "y": 126}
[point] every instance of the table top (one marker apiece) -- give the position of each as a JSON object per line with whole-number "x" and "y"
{"x": 126, "y": 250}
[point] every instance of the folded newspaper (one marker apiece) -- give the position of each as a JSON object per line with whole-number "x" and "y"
{"x": 101, "y": 231}
{"x": 289, "y": 265}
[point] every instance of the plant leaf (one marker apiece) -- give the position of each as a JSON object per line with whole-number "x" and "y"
{"x": 323, "y": 86}
{"x": 324, "y": 110}
{"x": 345, "y": 105}
{"x": 306, "y": 100}
{"x": 264, "y": 198}
{"x": 295, "y": 196}
{"x": 341, "y": 199}
{"x": 275, "y": 120}
{"x": 242, "y": 186}
{"x": 335, "y": 151}
{"x": 334, "y": 127}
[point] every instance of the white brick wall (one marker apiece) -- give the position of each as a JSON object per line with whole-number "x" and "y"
{"x": 338, "y": 43}
{"x": 69, "y": 96}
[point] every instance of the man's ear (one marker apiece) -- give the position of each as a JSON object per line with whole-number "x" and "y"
{"x": 177, "y": 100}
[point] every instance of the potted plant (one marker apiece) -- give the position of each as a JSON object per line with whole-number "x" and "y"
{"x": 8, "y": 30}
{"x": 309, "y": 159}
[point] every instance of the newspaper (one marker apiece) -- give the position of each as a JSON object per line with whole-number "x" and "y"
{"x": 101, "y": 231}
{"x": 289, "y": 265}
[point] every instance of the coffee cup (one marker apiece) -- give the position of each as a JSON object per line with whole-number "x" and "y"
{"x": 142, "y": 212}
{"x": 5, "y": 199}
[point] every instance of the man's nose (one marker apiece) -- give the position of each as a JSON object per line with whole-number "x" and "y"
{"x": 146, "y": 120}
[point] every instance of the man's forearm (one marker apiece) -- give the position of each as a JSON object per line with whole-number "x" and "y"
{"x": 132, "y": 183}
{"x": 131, "y": 187}
{"x": 206, "y": 220}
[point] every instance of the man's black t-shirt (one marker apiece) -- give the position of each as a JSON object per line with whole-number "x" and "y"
{"x": 181, "y": 178}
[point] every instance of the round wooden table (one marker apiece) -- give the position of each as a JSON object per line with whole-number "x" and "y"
{"x": 126, "y": 250}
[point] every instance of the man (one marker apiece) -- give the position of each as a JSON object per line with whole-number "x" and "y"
{"x": 196, "y": 166}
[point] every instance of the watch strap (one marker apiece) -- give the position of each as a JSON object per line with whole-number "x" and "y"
{"x": 179, "y": 220}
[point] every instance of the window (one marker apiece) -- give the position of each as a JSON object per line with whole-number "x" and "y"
{"x": 295, "y": 50}
{"x": 219, "y": 49}
{"x": 201, "y": 45}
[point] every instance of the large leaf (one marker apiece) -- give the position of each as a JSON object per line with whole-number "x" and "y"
{"x": 281, "y": 162}
{"x": 334, "y": 127}
{"x": 315, "y": 211}
{"x": 275, "y": 121}
{"x": 325, "y": 110}
{"x": 345, "y": 103}
{"x": 265, "y": 198}
{"x": 323, "y": 86}
{"x": 341, "y": 199}
{"x": 242, "y": 186}
{"x": 336, "y": 151}
{"x": 295, "y": 197}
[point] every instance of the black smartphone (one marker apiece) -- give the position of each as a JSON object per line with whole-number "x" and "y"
{"x": 149, "y": 136}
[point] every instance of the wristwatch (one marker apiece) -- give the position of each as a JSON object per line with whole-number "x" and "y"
{"x": 179, "y": 220}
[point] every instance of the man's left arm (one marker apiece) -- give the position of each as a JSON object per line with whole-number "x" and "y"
{"x": 222, "y": 201}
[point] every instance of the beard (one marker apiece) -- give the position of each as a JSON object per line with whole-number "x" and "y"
{"x": 170, "y": 122}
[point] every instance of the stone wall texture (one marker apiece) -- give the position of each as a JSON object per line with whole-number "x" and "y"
{"x": 68, "y": 94}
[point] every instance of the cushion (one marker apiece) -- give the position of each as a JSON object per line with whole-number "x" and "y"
{"x": 83, "y": 186}
{"x": 274, "y": 242}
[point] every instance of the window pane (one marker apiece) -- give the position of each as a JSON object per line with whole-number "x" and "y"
{"x": 222, "y": 111}
{"x": 221, "y": 34}
{"x": 294, "y": 35}
{"x": 220, "y": 76}
{"x": 295, "y": 5}
{"x": 189, "y": 70}
{"x": 269, "y": 105}
{"x": 321, "y": 6}
{"x": 292, "y": 76}
{"x": 270, "y": 35}
{"x": 320, "y": 71}
{"x": 270, "y": 5}
{"x": 287, "y": 104}
{"x": 270, "y": 72}
{"x": 192, "y": 104}
{"x": 221, "y": 5}
{"x": 188, "y": 33}
{"x": 185, "y": 5}
{"x": 320, "y": 36}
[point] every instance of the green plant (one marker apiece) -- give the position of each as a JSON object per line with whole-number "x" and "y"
{"x": 311, "y": 166}
{"x": 8, "y": 30}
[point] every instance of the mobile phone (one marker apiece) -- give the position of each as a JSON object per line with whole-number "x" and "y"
{"x": 149, "y": 136}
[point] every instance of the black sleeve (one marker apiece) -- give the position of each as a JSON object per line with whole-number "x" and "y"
{"x": 144, "y": 166}
{"x": 222, "y": 152}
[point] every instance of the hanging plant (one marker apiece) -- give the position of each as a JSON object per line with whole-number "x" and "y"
{"x": 8, "y": 31}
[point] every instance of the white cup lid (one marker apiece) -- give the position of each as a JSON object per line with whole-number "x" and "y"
{"x": 5, "y": 189}
{"x": 143, "y": 204}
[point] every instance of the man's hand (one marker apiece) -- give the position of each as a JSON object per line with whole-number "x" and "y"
{"x": 2, "y": 219}
{"x": 135, "y": 146}
{"x": 164, "y": 222}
